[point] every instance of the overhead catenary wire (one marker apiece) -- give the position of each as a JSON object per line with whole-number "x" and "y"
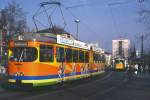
{"x": 82, "y": 22}
{"x": 40, "y": 12}
{"x": 40, "y": 23}
{"x": 49, "y": 18}
{"x": 81, "y": 5}
{"x": 63, "y": 17}
{"x": 114, "y": 21}
{"x": 67, "y": 9}
{"x": 42, "y": 5}
{"x": 110, "y": 5}
{"x": 73, "y": 15}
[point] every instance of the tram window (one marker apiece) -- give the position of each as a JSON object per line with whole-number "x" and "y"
{"x": 99, "y": 57}
{"x": 95, "y": 57}
{"x": 121, "y": 61}
{"x": 86, "y": 57}
{"x": 75, "y": 55}
{"x": 46, "y": 53}
{"x": 117, "y": 61}
{"x": 23, "y": 54}
{"x": 68, "y": 55}
{"x": 103, "y": 58}
{"x": 81, "y": 56}
{"x": 60, "y": 54}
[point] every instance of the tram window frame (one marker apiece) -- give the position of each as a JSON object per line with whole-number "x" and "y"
{"x": 46, "y": 53}
{"x": 68, "y": 54}
{"x": 87, "y": 57}
{"x": 81, "y": 57}
{"x": 60, "y": 57}
{"x": 75, "y": 54}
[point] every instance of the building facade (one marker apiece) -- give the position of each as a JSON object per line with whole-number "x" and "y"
{"x": 120, "y": 48}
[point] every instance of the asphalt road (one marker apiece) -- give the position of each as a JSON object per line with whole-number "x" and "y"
{"x": 110, "y": 86}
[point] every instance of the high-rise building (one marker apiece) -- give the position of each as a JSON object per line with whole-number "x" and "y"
{"x": 120, "y": 48}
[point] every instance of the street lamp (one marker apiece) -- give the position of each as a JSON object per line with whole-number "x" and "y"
{"x": 77, "y": 21}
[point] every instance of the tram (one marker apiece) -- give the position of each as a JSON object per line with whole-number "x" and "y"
{"x": 119, "y": 64}
{"x": 41, "y": 60}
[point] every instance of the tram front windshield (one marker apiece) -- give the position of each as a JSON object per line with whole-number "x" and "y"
{"x": 119, "y": 61}
{"x": 23, "y": 54}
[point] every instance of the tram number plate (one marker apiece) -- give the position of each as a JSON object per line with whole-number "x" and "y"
{"x": 20, "y": 43}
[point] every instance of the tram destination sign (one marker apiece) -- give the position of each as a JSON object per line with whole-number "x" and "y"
{"x": 20, "y": 43}
{"x": 72, "y": 42}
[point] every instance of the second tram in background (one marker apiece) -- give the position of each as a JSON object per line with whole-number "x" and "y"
{"x": 120, "y": 64}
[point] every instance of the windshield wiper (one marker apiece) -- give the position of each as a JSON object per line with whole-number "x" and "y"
{"x": 21, "y": 56}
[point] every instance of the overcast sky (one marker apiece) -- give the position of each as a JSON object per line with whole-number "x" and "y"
{"x": 100, "y": 20}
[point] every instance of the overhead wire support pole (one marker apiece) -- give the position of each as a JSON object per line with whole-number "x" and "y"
{"x": 1, "y": 44}
{"x": 142, "y": 46}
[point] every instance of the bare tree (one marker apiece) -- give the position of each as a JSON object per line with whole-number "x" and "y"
{"x": 13, "y": 19}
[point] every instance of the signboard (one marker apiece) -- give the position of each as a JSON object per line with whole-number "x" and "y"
{"x": 64, "y": 40}
{"x": 72, "y": 42}
{"x": 80, "y": 44}
{"x": 20, "y": 43}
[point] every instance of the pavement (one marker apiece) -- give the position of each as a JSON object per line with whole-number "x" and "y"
{"x": 110, "y": 86}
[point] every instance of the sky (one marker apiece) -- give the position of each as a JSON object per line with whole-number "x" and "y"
{"x": 101, "y": 21}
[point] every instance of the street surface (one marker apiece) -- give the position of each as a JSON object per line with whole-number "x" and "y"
{"x": 111, "y": 86}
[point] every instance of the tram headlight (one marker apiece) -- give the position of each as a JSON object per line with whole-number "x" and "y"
{"x": 21, "y": 74}
{"x": 16, "y": 74}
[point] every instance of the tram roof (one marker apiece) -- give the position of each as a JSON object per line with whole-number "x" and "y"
{"x": 64, "y": 39}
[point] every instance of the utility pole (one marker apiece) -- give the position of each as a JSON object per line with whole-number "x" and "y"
{"x": 77, "y": 21}
{"x": 142, "y": 46}
{"x": 1, "y": 43}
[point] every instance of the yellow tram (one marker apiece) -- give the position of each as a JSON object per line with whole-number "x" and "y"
{"x": 119, "y": 64}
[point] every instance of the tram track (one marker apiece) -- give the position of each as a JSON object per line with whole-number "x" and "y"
{"x": 7, "y": 93}
{"x": 103, "y": 88}
{"x": 80, "y": 91}
{"x": 73, "y": 89}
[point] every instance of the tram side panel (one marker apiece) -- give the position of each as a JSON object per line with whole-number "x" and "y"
{"x": 50, "y": 64}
